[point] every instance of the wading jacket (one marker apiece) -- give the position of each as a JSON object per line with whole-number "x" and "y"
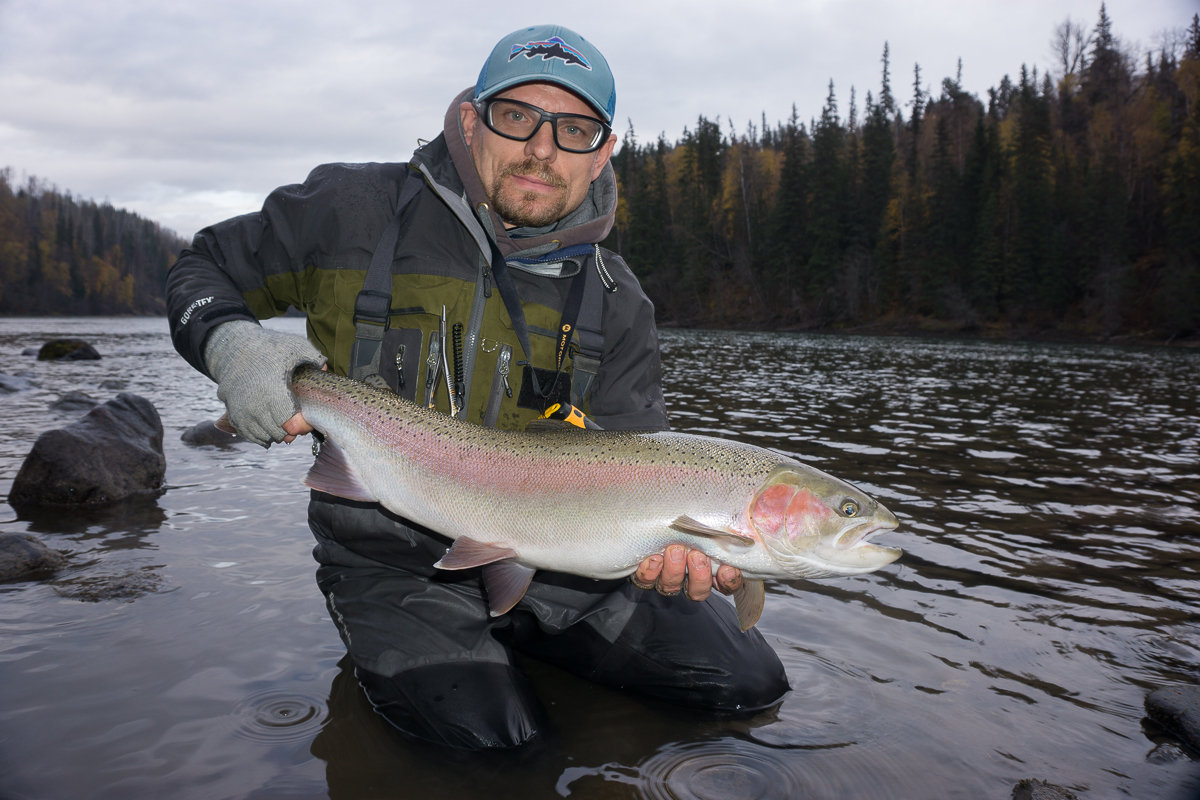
{"x": 310, "y": 247}
{"x": 311, "y": 244}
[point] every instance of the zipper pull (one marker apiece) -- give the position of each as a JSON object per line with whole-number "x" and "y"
{"x": 487, "y": 281}
{"x": 505, "y": 358}
{"x": 400, "y": 367}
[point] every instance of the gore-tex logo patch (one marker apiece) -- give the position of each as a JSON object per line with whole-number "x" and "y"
{"x": 188, "y": 314}
{"x": 553, "y": 47}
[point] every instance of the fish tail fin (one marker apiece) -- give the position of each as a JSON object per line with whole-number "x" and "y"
{"x": 224, "y": 425}
{"x": 334, "y": 474}
{"x": 748, "y": 600}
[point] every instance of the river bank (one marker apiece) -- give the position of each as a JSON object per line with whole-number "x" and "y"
{"x": 930, "y": 327}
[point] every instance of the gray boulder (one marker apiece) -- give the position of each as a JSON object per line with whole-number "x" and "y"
{"x": 1177, "y": 708}
{"x": 206, "y": 433}
{"x": 114, "y": 452}
{"x": 68, "y": 350}
{"x": 23, "y": 556}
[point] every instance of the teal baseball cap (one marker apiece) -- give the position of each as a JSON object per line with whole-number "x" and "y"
{"x": 554, "y": 54}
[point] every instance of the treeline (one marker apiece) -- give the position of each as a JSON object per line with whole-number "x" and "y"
{"x": 1067, "y": 202}
{"x": 63, "y": 255}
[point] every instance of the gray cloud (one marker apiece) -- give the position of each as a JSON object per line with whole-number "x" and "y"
{"x": 187, "y": 113}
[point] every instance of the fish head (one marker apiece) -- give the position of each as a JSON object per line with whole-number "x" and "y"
{"x": 815, "y": 525}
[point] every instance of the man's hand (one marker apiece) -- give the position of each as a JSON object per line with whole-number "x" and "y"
{"x": 252, "y": 366}
{"x": 689, "y": 571}
{"x": 296, "y": 426}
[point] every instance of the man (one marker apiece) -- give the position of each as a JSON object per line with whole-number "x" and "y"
{"x": 490, "y": 232}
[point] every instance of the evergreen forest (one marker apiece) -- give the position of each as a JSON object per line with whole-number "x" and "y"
{"x": 1067, "y": 202}
{"x": 62, "y": 255}
{"x": 1063, "y": 203}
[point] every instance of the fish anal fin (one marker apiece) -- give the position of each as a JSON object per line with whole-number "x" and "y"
{"x": 466, "y": 553}
{"x": 689, "y": 525}
{"x": 506, "y": 582}
{"x": 748, "y": 600}
{"x": 334, "y": 474}
{"x": 224, "y": 425}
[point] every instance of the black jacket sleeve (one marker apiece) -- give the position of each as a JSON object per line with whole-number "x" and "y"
{"x": 252, "y": 267}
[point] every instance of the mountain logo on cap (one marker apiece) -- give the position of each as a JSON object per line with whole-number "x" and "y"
{"x": 554, "y": 47}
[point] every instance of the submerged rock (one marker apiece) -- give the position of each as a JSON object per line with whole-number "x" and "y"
{"x": 13, "y": 383}
{"x": 22, "y": 555}
{"x": 115, "y": 451}
{"x": 67, "y": 350}
{"x": 203, "y": 433}
{"x": 1033, "y": 789}
{"x": 114, "y": 384}
{"x": 1177, "y": 708}
{"x": 126, "y": 586}
{"x": 29, "y": 351}
{"x": 75, "y": 401}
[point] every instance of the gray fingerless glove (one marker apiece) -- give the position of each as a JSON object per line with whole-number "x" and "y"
{"x": 252, "y": 366}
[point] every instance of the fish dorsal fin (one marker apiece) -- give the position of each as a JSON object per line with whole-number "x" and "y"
{"x": 506, "y": 582}
{"x": 224, "y": 425}
{"x": 689, "y": 525}
{"x": 466, "y": 553}
{"x": 748, "y": 600}
{"x": 332, "y": 473}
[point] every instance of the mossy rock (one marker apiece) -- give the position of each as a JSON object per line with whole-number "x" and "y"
{"x": 68, "y": 350}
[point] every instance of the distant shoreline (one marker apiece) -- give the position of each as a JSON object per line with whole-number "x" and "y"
{"x": 914, "y": 327}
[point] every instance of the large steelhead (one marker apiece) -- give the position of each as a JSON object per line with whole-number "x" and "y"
{"x": 591, "y": 503}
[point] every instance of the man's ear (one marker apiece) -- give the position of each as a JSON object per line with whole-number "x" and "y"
{"x": 468, "y": 116}
{"x": 602, "y": 155}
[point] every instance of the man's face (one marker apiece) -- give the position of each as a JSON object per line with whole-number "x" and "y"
{"x": 533, "y": 183}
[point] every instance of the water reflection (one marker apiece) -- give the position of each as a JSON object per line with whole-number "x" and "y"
{"x": 1049, "y": 499}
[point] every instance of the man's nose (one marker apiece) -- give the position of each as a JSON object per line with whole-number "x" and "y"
{"x": 542, "y": 146}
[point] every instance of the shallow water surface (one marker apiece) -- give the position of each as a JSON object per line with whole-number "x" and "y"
{"x": 1049, "y": 499}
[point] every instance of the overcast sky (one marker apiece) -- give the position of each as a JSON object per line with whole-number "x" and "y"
{"x": 188, "y": 113}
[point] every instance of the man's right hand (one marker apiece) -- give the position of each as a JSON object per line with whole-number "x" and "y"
{"x": 252, "y": 366}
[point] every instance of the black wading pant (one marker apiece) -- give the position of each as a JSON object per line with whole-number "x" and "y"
{"x": 437, "y": 666}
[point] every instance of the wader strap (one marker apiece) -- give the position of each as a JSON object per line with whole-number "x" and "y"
{"x": 590, "y": 337}
{"x": 512, "y": 302}
{"x": 373, "y": 303}
{"x": 570, "y": 316}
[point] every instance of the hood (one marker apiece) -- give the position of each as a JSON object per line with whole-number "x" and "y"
{"x": 588, "y": 224}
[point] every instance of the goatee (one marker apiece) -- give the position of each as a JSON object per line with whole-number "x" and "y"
{"x": 522, "y": 210}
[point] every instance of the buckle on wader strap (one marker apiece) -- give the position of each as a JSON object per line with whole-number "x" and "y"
{"x": 372, "y": 306}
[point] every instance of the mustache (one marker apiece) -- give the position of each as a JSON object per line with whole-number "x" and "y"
{"x": 534, "y": 168}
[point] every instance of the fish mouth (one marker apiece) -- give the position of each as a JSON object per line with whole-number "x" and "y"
{"x": 860, "y": 536}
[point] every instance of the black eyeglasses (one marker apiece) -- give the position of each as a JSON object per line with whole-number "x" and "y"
{"x": 512, "y": 119}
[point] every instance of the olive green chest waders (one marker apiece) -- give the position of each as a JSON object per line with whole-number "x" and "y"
{"x": 427, "y": 652}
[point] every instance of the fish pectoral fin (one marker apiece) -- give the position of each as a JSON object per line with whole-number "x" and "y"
{"x": 334, "y": 474}
{"x": 466, "y": 553}
{"x": 748, "y": 600}
{"x": 506, "y": 582}
{"x": 689, "y": 525}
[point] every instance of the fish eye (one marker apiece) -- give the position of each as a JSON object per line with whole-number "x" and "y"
{"x": 848, "y": 508}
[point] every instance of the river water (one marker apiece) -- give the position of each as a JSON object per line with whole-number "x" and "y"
{"x": 1049, "y": 499}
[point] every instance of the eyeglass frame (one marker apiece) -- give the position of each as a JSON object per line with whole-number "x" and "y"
{"x": 483, "y": 109}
